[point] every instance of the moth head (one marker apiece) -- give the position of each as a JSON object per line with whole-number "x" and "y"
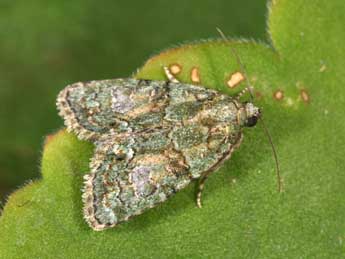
{"x": 251, "y": 114}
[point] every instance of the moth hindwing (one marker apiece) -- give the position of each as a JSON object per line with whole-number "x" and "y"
{"x": 152, "y": 139}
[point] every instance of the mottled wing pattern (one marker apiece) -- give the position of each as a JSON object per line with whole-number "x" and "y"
{"x": 95, "y": 108}
{"x": 152, "y": 138}
{"x": 130, "y": 174}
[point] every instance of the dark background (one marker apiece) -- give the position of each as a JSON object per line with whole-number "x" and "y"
{"x": 45, "y": 45}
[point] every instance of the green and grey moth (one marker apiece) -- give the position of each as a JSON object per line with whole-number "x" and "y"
{"x": 152, "y": 138}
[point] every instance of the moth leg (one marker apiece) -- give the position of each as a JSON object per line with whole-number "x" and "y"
{"x": 201, "y": 186}
{"x": 170, "y": 76}
{"x": 240, "y": 94}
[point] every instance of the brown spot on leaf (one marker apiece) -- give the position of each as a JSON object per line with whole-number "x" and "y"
{"x": 278, "y": 95}
{"x": 305, "y": 96}
{"x": 258, "y": 95}
{"x": 50, "y": 137}
{"x": 175, "y": 69}
{"x": 235, "y": 79}
{"x": 194, "y": 75}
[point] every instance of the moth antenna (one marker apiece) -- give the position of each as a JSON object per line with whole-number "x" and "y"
{"x": 249, "y": 89}
{"x": 280, "y": 186}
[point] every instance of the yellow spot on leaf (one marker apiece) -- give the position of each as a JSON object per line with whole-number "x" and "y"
{"x": 322, "y": 68}
{"x": 235, "y": 79}
{"x": 175, "y": 69}
{"x": 278, "y": 95}
{"x": 305, "y": 96}
{"x": 194, "y": 75}
{"x": 289, "y": 102}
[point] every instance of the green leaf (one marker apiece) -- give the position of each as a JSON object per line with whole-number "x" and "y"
{"x": 243, "y": 214}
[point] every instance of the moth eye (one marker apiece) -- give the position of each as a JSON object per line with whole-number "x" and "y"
{"x": 251, "y": 121}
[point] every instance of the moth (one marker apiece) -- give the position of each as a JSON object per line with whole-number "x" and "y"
{"x": 152, "y": 139}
